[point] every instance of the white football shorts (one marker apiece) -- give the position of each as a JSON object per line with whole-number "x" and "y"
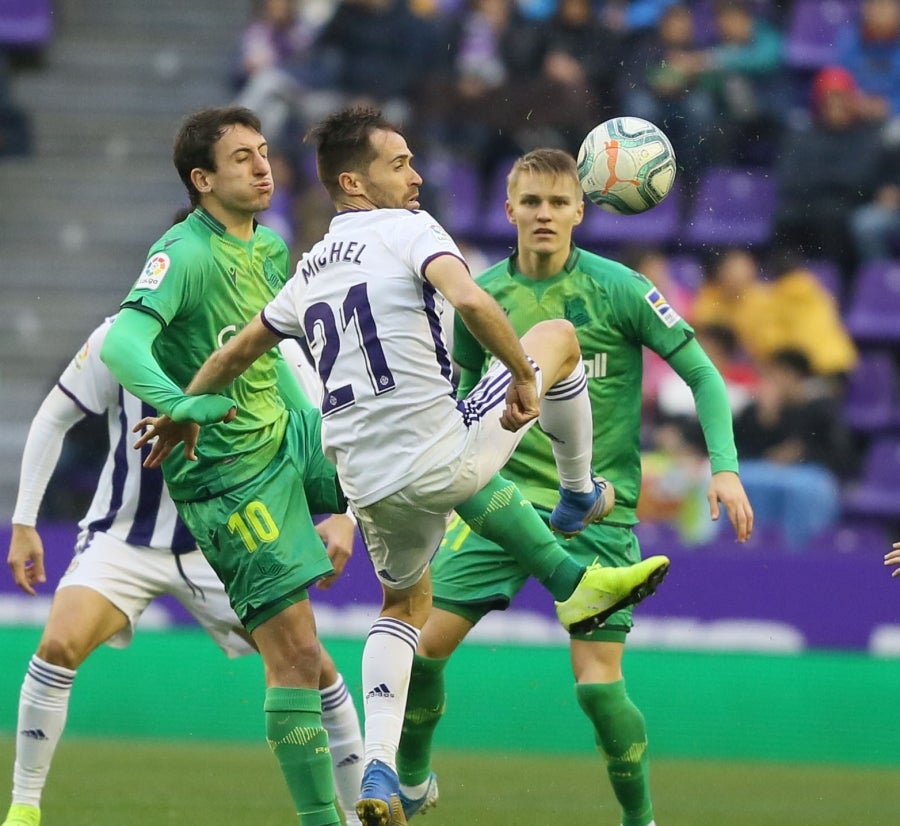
{"x": 131, "y": 578}
{"x": 403, "y": 531}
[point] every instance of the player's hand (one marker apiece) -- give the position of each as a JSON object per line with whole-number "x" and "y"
{"x": 725, "y": 487}
{"x": 26, "y": 558}
{"x": 522, "y": 405}
{"x": 337, "y": 533}
{"x": 163, "y": 435}
{"x": 893, "y": 559}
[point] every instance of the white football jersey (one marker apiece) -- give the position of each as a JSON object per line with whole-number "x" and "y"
{"x": 131, "y": 502}
{"x": 373, "y": 324}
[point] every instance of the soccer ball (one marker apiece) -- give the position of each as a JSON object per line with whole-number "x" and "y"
{"x": 626, "y": 165}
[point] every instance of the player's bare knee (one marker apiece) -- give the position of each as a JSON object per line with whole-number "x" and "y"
{"x": 62, "y": 649}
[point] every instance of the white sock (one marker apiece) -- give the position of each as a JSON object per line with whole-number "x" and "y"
{"x": 43, "y": 707}
{"x": 341, "y": 721}
{"x": 566, "y": 419}
{"x": 386, "y": 664}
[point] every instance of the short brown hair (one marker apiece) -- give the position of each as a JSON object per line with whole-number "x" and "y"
{"x": 343, "y": 143}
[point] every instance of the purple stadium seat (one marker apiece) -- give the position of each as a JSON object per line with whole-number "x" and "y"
{"x": 732, "y": 206}
{"x": 813, "y": 27}
{"x": 874, "y": 310}
{"x": 875, "y": 494}
{"x": 687, "y": 271}
{"x": 870, "y": 399}
{"x": 495, "y": 227}
{"x": 25, "y": 23}
{"x": 829, "y": 275}
{"x": 659, "y": 225}
{"x": 460, "y": 205}
{"x": 851, "y": 536}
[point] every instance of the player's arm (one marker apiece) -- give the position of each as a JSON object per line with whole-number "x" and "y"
{"x": 469, "y": 356}
{"x": 43, "y": 445}
{"x": 489, "y": 325}
{"x": 128, "y": 354}
{"x": 221, "y": 368}
{"x": 714, "y": 414}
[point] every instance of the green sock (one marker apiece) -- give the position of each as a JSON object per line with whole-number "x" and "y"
{"x": 621, "y": 737}
{"x": 501, "y": 514}
{"x": 295, "y": 735}
{"x": 425, "y": 706}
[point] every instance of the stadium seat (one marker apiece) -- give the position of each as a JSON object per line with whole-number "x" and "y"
{"x": 659, "y": 225}
{"x": 875, "y": 494}
{"x": 459, "y": 210}
{"x": 874, "y": 307}
{"x": 852, "y": 536}
{"x": 869, "y": 404}
{"x": 687, "y": 271}
{"x": 495, "y": 227}
{"x": 812, "y": 29}
{"x": 26, "y": 24}
{"x": 829, "y": 275}
{"x": 733, "y": 206}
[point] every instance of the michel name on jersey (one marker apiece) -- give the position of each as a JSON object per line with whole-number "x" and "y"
{"x": 339, "y": 252}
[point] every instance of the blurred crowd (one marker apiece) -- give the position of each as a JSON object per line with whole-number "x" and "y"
{"x": 808, "y": 91}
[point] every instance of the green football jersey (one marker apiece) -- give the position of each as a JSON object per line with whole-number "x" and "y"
{"x": 205, "y": 285}
{"x": 616, "y": 312}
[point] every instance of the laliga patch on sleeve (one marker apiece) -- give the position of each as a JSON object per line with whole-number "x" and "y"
{"x": 154, "y": 272}
{"x": 439, "y": 232}
{"x": 81, "y": 356}
{"x": 662, "y": 307}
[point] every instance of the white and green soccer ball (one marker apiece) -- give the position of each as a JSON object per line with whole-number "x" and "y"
{"x": 626, "y": 165}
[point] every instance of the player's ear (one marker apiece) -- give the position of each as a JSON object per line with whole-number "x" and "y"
{"x": 200, "y": 180}
{"x": 350, "y": 183}
{"x": 579, "y": 213}
{"x": 510, "y": 214}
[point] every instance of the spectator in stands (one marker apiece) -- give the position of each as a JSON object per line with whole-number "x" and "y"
{"x": 795, "y": 449}
{"x": 870, "y": 51}
{"x": 826, "y": 170}
{"x": 793, "y": 310}
{"x": 377, "y": 52}
{"x": 652, "y": 87}
{"x": 875, "y": 225}
{"x": 743, "y": 70}
{"x": 278, "y": 75}
{"x": 511, "y": 84}
{"x": 634, "y": 17}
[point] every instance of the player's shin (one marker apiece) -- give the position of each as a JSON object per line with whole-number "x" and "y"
{"x": 43, "y": 708}
{"x": 621, "y": 737}
{"x": 500, "y": 513}
{"x": 295, "y": 734}
{"x": 425, "y": 707}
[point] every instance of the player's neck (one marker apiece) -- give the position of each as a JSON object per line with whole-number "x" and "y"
{"x": 237, "y": 224}
{"x": 540, "y": 266}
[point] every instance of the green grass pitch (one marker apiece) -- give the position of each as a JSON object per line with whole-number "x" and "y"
{"x": 98, "y": 782}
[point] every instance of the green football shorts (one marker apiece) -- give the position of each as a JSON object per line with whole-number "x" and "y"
{"x": 259, "y": 537}
{"x": 471, "y": 576}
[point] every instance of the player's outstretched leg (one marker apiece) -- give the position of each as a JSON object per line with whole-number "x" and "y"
{"x": 379, "y": 802}
{"x": 575, "y": 511}
{"x": 22, "y": 815}
{"x": 603, "y": 591}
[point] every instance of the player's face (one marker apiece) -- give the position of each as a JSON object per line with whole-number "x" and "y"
{"x": 242, "y": 182}
{"x": 545, "y": 210}
{"x": 391, "y": 182}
